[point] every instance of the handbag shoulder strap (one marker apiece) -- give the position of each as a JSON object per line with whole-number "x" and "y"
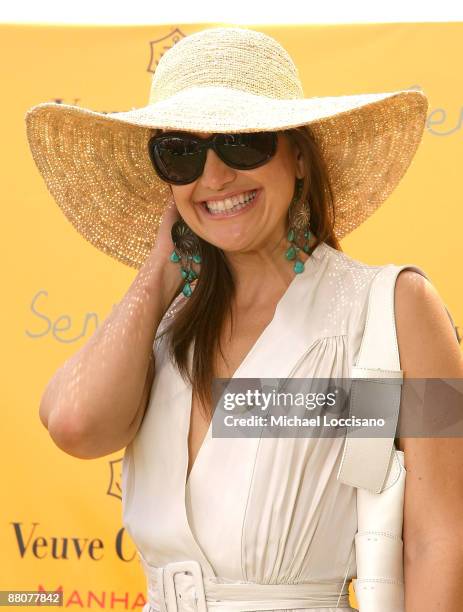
{"x": 366, "y": 462}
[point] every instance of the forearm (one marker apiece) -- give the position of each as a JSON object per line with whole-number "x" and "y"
{"x": 434, "y": 577}
{"x": 100, "y": 387}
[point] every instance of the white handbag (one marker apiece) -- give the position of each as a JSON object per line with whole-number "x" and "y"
{"x": 374, "y": 465}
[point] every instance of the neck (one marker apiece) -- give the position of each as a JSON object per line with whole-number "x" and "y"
{"x": 263, "y": 275}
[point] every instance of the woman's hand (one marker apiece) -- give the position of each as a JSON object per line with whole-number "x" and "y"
{"x": 160, "y": 254}
{"x": 163, "y": 245}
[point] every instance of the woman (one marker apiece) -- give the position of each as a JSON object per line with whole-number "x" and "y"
{"x": 245, "y": 279}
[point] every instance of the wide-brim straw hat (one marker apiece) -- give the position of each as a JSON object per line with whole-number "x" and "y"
{"x": 218, "y": 80}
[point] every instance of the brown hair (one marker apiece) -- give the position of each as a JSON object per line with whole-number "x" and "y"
{"x": 202, "y": 316}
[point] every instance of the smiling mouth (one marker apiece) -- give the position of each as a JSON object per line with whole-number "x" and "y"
{"x": 224, "y": 209}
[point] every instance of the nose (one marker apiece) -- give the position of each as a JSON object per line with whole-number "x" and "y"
{"x": 216, "y": 173}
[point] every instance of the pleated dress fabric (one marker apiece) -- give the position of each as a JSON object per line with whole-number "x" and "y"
{"x": 266, "y": 510}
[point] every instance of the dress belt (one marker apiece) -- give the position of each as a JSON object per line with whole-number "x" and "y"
{"x": 180, "y": 586}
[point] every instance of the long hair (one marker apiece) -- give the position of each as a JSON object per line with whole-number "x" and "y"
{"x": 203, "y": 314}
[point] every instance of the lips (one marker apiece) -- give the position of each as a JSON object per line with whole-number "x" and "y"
{"x": 227, "y": 197}
{"x": 227, "y": 214}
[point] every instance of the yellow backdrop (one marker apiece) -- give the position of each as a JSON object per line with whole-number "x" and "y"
{"x": 60, "y": 518}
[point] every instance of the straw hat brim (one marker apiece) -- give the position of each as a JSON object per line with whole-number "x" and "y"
{"x": 97, "y": 168}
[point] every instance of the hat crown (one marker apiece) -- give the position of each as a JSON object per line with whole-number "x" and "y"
{"x": 235, "y": 58}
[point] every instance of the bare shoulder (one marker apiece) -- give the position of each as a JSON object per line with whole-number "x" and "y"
{"x": 428, "y": 346}
{"x": 177, "y": 304}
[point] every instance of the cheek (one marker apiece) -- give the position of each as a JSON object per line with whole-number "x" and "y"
{"x": 183, "y": 199}
{"x": 280, "y": 171}
{"x": 279, "y": 185}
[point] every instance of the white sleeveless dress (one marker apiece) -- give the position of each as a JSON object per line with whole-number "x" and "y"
{"x": 262, "y": 523}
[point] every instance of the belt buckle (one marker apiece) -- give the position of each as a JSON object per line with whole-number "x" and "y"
{"x": 183, "y": 567}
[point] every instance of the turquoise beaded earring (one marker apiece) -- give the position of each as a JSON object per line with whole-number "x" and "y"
{"x": 299, "y": 222}
{"x": 186, "y": 251}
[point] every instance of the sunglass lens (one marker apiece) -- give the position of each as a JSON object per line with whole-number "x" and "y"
{"x": 247, "y": 150}
{"x": 177, "y": 159}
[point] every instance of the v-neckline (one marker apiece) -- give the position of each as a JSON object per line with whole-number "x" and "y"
{"x": 294, "y": 282}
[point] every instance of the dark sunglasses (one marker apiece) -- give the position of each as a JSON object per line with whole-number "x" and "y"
{"x": 179, "y": 157}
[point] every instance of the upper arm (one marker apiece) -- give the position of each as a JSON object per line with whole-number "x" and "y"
{"x": 428, "y": 348}
{"x": 136, "y": 422}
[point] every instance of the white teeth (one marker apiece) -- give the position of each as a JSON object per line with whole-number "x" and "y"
{"x": 231, "y": 204}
